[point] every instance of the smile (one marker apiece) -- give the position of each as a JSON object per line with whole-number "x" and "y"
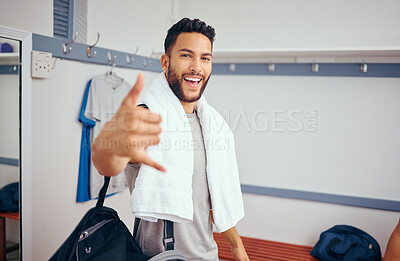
{"x": 192, "y": 81}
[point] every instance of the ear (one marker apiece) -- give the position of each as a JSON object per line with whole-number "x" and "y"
{"x": 164, "y": 62}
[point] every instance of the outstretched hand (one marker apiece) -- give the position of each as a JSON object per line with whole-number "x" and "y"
{"x": 127, "y": 135}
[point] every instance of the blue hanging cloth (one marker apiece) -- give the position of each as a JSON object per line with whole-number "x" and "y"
{"x": 83, "y": 192}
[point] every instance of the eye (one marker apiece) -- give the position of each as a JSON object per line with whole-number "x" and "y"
{"x": 186, "y": 55}
{"x": 206, "y": 58}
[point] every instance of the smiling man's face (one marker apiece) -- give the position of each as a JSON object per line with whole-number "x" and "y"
{"x": 188, "y": 66}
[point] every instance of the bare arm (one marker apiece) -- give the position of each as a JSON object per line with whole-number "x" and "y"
{"x": 238, "y": 251}
{"x": 126, "y": 136}
{"x": 393, "y": 247}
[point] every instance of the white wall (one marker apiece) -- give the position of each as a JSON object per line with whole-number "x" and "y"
{"x": 260, "y": 24}
{"x": 320, "y": 134}
{"x": 31, "y": 16}
{"x": 126, "y": 24}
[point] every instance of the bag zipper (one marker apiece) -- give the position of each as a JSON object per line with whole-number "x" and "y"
{"x": 86, "y": 233}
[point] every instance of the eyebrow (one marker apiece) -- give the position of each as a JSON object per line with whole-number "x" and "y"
{"x": 190, "y": 51}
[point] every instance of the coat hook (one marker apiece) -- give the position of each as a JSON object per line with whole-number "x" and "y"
{"x": 271, "y": 67}
{"x": 111, "y": 59}
{"x": 147, "y": 61}
{"x": 65, "y": 47}
{"x": 315, "y": 67}
{"x": 89, "y": 49}
{"x": 131, "y": 58}
{"x": 364, "y": 67}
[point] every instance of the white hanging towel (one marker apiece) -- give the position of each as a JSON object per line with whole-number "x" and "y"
{"x": 159, "y": 195}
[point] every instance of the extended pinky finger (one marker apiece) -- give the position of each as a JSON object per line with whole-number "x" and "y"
{"x": 148, "y": 161}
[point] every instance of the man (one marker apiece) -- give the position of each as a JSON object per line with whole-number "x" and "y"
{"x": 187, "y": 65}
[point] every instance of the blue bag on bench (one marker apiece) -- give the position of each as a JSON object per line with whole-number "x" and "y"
{"x": 344, "y": 242}
{"x": 9, "y": 198}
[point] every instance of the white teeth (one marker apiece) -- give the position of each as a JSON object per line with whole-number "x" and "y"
{"x": 192, "y": 79}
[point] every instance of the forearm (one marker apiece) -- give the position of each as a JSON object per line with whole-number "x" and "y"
{"x": 233, "y": 237}
{"x": 238, "y": 251}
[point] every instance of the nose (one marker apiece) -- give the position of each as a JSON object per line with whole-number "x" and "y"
{"x": 195, "y": 65}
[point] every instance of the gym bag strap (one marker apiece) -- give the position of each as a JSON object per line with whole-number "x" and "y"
{"x": 168, "y": 239}
{"x": 136, "y": 227}
{"x": 168, "y": 233}
{"x": 103, "y": 191}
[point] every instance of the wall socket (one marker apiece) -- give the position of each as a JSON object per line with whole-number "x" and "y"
{"x": 41, "y": 64}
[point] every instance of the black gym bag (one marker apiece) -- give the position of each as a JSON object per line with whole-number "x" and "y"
{"x": 101, "y": 235}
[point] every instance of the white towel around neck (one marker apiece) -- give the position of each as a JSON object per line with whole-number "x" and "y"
{"x": 157, "y": 195}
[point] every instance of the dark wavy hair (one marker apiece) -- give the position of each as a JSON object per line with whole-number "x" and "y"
{"x": 187, "y": 25}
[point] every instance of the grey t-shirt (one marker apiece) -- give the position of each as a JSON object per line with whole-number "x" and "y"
{"x": 193, "y": 239}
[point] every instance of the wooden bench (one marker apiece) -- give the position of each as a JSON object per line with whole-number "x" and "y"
{"x": 3, "y": 249}
{"x": 258, "y": 249}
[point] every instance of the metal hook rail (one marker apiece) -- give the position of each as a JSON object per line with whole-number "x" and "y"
{"x": 79, "y": 52}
